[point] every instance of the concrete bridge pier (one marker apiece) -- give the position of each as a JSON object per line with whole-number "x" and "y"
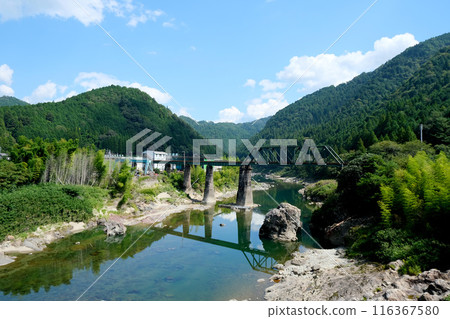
{"x": 244, "y": 223}
{"x": 186, "y": 222}
{"x": 209, "y": 217}
{"x": 245, "y": 195}
{"x": 209, "y": 196}
{"x": 187, "y": 186}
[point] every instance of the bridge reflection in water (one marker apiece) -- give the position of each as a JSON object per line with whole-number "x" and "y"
{"x": 262, "y": 260}
{"x": 68, "y": 266}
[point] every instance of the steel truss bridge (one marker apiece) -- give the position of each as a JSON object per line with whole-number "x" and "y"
{"x": 321, "y": 155}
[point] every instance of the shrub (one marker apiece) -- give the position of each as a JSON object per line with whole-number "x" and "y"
{"x": 31, "y": 206}
{"x": 321, "y": 190}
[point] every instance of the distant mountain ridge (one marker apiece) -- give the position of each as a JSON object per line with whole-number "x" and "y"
{"x": 11, "y": 101}
{"x": 226, "y": 130}
{"x": 104, "y": 117}
{"x": 209, "y": 129}
{"x": 352, "y": 114}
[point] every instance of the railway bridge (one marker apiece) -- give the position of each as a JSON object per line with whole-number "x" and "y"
{"x": 308, "y": 154}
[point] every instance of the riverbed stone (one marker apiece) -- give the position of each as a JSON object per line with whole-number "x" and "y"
{"x": 34, "y": 243}
{"x": 282, "y": 223}
{"x": 114, "y": 228}
{"x": 4, "y": 260}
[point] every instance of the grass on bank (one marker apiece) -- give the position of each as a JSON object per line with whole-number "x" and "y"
{"x": 29, "y": 207}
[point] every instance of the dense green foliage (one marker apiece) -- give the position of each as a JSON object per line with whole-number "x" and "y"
{"x": 417, "y": 198}
{"x": 104, "y": 117}
{"x": 31, "y": 206}
{"x": 225, "y": 178}
{"x": 198, "y": 176}
{"x": 11, "y": 101}
{"x": 120, "y": 182}
{"x": 388, "y": 103}
{"x": 29, "y": 159}
{"x": 402, "y": 194}
{"x": 321, "y": 190}
{"x": 48, "y": 163}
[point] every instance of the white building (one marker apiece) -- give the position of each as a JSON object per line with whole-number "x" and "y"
{"x": 157, "y": 160}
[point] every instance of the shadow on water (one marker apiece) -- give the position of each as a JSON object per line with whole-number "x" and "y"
{"x": 210, "y": 255}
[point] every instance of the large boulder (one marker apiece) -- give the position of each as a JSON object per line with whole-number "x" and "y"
{"x": 113, "y": 228}
{"x": 282, "y": 223}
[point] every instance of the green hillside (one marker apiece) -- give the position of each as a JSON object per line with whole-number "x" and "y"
{"x": 209, "y": 129}
{"x": 389, "y": 102}
{"x": 11, "y": 101}
{"x": 105, "y": 117}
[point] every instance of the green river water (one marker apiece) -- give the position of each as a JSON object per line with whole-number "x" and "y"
{"x": 211, "y": 255}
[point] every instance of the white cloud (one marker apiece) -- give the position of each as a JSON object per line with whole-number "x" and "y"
{"x": 268, "y": 85}
{"x": 94, "y": 80}
{"x": 329, "y": 69}
{"x": 17, "y": 9}
{"x": 169, "y": 24}
{"x": 193, "y": 48}
{"x": 6, "y": 74}
{"x": 257, "y": 221}
{"x": 267, "y": 104}
{"x": 45, "y": 92}
{"x": 250, "y": 83}
{"x": 6, "y": 90}
{"x": 87, "y": 12}
{"x": 160, "y": 97}
{"x": 230, "y": 217}
{"x": 231, "y": 114}
{"x": 183, "y": 111}
{"x": 145, "y": 16}
{"x": 121, "y": 7}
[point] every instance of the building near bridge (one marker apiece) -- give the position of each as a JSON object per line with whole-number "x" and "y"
{"x": 156, "y": 160}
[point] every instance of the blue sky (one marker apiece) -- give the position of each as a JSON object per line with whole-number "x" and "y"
{"x": 216, "y": 60}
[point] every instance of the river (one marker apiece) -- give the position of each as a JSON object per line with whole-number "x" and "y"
{"x": 211, "y": 255}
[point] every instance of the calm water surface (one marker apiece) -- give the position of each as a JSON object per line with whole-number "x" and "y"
{"x": 211, "y": 255}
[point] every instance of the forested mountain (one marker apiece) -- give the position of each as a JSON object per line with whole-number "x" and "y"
{"x": 209, "y": 129}
{"x": 225, "y": 130}
{"x": 10, "y": 101}
{"x": 388, "y": 103}
{"x": 105, "y": 117}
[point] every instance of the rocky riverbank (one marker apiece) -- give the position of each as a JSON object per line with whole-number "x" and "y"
{"x": 326, "y": 274}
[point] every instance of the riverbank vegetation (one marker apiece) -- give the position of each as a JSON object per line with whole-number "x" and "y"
{"x": 28, "y": 207}
{"x": 320, "y": 191}
{"x": 398, "y": 196}
{"x": 55, "y": 181}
